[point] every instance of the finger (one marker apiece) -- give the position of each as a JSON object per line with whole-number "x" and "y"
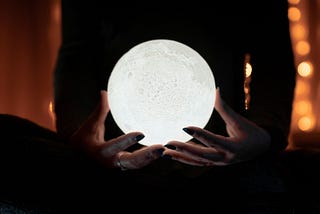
{"x": 97, "y": 119}
{"x": 122, "y": 142}
{"x": 187, "y": 158}
{"x": 232, "y": 132}
{"x": 140, "y": 158}
{"x": 210, "y": 139}
{"x": 229, "y": 116}
{"x": 103, "y": 107}
{"x": 101, "y": 111}
{"x": 192, "y": 148}
{"x": 196, "y": 151}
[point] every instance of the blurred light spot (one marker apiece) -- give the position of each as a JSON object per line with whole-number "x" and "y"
{"x": 247, "y": 80}
{"x": 303, "y": 47}
{"x": 51, "y": 113}
{"x": 50, "y": 107}
{"x": 303, "y": 107}
{"x": 306, "y": 123}
{"x": 305, "y": 69}
{"x": 56, "y": 13}
{"x": 294, "y": 14}
{"x": 298, "y": 31}
{"x": 248, "y": 69}
{"x": 294, "y": 1}
{"x": 302, "y": 88}
{"x": 247, "y": 101}
{"x": 246, "y": 90}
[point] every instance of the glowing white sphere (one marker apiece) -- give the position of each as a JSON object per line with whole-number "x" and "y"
{"x": 159, "y": 87}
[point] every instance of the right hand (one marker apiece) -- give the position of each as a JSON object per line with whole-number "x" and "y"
{"x": 89, "y": 138}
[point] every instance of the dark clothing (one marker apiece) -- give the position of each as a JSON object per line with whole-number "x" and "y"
{"x": 96, "y": 34}
{"x": 41, "y": 174}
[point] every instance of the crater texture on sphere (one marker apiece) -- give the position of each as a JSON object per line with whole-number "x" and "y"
{"x": 159, "y": 87}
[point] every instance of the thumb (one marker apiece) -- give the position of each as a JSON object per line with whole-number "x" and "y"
{"x": 94, "y": 125}
{"x": 97, "y": 119}
{"x": 103, "y": 108}
{"x": 99, "y": 115}
{"x": 229, "y": 116}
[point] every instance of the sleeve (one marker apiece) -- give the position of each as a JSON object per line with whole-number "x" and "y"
{"x": 273, "y": 72}
{"x": 79, "y": 64}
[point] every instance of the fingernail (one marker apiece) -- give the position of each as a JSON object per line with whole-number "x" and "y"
{"x": 167, "y": 157}
{"x": 139, "y": 137}
{"x": 172, "y": 147}
{"x": 188, "y": 131}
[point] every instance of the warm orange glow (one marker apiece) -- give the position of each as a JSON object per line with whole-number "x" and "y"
{"x": 302, "y": 88}
{"x": 305, "y": 69}
{"x": 303, "y": 107}
{"x": 298, "y": 31}
{"x": 50, "y": 107}
{"x": 294, "y": 14}
{"x": 51, "y": 113}
{"x": 247, "y": 80}
{"x": 303, "y": 48}
{"x": 304, "y": 32}
{"x": 248, "y": 69}
{"x": 56, "y": 12}
{"x": 306, "y": 123}
{"x": 294, "y": 1}
{"x": 25, "y": 84}
{"x": 246, "y": 90}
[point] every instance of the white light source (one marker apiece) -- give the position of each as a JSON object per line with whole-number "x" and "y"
{"x": 159, "y": 87}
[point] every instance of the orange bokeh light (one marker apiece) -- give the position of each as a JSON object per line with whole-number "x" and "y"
{"x": 294, "y": 1}
{"x": 294, "y": 14}
{"x": 302, "y": 48}
{"x": 306, "y": 123}
{"x": 303, "y": 107}
{"x": 298, "y": 31}
{"x": 305, "y": 69}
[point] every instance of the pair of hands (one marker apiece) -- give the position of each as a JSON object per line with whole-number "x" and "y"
{"x": 246, "y": 140}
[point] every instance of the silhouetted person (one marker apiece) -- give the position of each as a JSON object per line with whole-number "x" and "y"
{"x": 230, "y": 167}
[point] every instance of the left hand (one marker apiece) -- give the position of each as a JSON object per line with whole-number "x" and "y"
{"x": 90, "y": 139}
{"x": 246, "y": 141}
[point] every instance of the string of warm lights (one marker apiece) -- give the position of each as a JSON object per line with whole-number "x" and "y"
{"x": 303, "y": 112}
{"x": 247, "y": 79}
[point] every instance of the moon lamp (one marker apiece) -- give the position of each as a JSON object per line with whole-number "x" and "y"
{"x": 159, "y": 87}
